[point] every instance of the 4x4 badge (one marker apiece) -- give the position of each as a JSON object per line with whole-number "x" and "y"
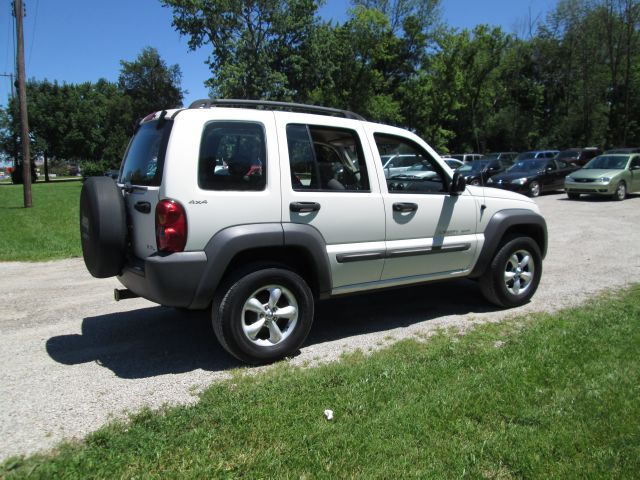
{"x": 198, "y": 202}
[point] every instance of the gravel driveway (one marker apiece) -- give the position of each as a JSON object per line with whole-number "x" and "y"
{"x": 72, "y": 358}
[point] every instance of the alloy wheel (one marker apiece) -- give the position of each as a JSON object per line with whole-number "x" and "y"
{"x": 519, "y": 272}
{"x": 269, "y": 315}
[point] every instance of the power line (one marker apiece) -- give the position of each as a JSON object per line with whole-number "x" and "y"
{"x": 33, "y": 34}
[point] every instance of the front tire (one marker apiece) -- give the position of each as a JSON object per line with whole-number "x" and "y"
{"x": 534, "y": 189}
{"x": 263, "y": 316}
{"x": 514, "y": 273}
{"x": 621, "y": 192}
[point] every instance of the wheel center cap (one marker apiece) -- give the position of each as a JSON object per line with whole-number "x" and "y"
{"x": 269, "y": 315}
{"x": 518, "y": 271}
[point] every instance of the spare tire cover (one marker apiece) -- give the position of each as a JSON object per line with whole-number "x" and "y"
{"x": 103, "y": 227}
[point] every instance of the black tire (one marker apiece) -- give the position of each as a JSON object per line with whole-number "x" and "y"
{"x": 103, "y": 227}
{"x": 535, "y": 188}
{"x": 573, "y": 196}
{"x": 494, "y": 284}
{"x": 621, "y": 192}
{"x": 229, "y": 317}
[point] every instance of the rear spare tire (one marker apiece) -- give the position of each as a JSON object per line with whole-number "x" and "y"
{"x": 103, "y": 227}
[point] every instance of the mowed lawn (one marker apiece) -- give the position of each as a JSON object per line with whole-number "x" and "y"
{"x": 548, "y": 396}
{"x": 47, "y": 231}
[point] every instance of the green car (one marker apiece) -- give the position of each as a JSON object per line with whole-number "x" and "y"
{"x": 614, "y": 175}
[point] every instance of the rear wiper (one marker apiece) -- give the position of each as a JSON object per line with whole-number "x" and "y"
{"x": 131, "y": 188}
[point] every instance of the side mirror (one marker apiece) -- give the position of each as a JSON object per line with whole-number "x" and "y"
{"x": 458, "y": 184}
{"x": 635, "y": 167}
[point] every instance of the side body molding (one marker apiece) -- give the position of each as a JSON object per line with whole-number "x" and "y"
{"x": 228, "y": 243}
{"x": 521, "y": 220}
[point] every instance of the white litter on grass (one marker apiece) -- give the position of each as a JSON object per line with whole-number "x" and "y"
{"x": 328, "y": 414}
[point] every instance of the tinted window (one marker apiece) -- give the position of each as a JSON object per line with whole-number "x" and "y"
{"x": 232, "y": 157}
{"x": 326, "y": 159}
{"x": 144, "y": 159}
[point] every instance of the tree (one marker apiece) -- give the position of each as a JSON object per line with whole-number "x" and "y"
{"x": 256, "y": 45}
{"x": 150, "y": 83}
{"x": 423, "y": 13}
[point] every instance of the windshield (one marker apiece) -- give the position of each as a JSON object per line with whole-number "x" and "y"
{"x": 608, "y": 162}
{"x": 475, "y": 166}
{"x": 526, "y": 155}
{"x": 142, "y": 164}
{"x": 420, "y": 167}
{"x": 569, "y": 154}
{"x": 532, "y": 165}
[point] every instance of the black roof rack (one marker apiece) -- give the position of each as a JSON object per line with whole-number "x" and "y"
{"x": 298, "y": 107}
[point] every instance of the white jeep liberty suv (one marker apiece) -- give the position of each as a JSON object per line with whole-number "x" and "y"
{"x": 256, "y": 209}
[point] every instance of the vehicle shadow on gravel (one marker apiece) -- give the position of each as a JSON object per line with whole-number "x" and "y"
{"x": 144, "y": 343}
{"x": 157, "y": 341}
{"x": 374, "y": 312}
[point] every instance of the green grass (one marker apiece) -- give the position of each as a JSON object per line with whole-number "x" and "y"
{"x": 544, "y": 397}
{"x": 49, "y": 230}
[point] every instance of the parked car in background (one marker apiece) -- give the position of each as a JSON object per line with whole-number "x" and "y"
{"x": 613, "y": 175}
{"x": 424, "y": 170}
{"x": 578, "y": 156}
{"x": 479, "y": 171}
{"x": 533, "y": 176}
{"x": 506, "y": 158}
{"x": 464, "y": 157}
{"x": 536, "y": 154}
{"x": 398, "y": 163}
{"x": 113, "y": 173}
{"x": 624, "y": 150}
{"x": 453, "y": 163}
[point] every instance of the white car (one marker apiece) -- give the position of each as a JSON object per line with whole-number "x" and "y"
{"x": 301, "y": 210}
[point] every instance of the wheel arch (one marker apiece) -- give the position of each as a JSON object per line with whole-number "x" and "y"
{"x": 508, "y": 224}
{"x": 298, "y": 247}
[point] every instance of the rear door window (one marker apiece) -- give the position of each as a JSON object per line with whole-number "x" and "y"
{"x": 326, "y": 159}
{"x": 144, "y": 160}
{"x": 232, "y": 156}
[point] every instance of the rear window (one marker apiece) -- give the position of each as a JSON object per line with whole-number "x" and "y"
{"x": 144, "y": 159}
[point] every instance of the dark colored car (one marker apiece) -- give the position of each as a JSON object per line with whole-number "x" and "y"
{"x": 479, "y": 171}
{"x": 533, "y": 176}
{"x": 578, "y": 156}
{"x": 507, "y": 158}
{"x": 113, "y": 173}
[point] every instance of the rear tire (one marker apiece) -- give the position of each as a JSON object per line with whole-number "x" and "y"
{"x": 263, "y": 316}
{"x": 513, "y": 274}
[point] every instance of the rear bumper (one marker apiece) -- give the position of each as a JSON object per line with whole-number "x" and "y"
{"x": 170, "y": 280}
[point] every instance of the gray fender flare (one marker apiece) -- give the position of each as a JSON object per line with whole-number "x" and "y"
{"x": 228, "y": 243}
{"x": 525, "y": 220}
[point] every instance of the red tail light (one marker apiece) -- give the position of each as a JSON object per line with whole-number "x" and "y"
{"x": 171, "y": 226}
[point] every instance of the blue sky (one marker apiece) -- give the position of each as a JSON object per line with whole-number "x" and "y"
{"x": 83, "y": 40}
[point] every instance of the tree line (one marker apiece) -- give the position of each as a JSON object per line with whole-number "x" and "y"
{"x": 572, "y": 79}
{"x": 91, "y": 123}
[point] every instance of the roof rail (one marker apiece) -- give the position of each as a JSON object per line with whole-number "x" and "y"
{"x": 299, "y": 107}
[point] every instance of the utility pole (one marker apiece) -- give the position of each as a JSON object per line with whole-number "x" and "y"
{"x": 22, "y": 98}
